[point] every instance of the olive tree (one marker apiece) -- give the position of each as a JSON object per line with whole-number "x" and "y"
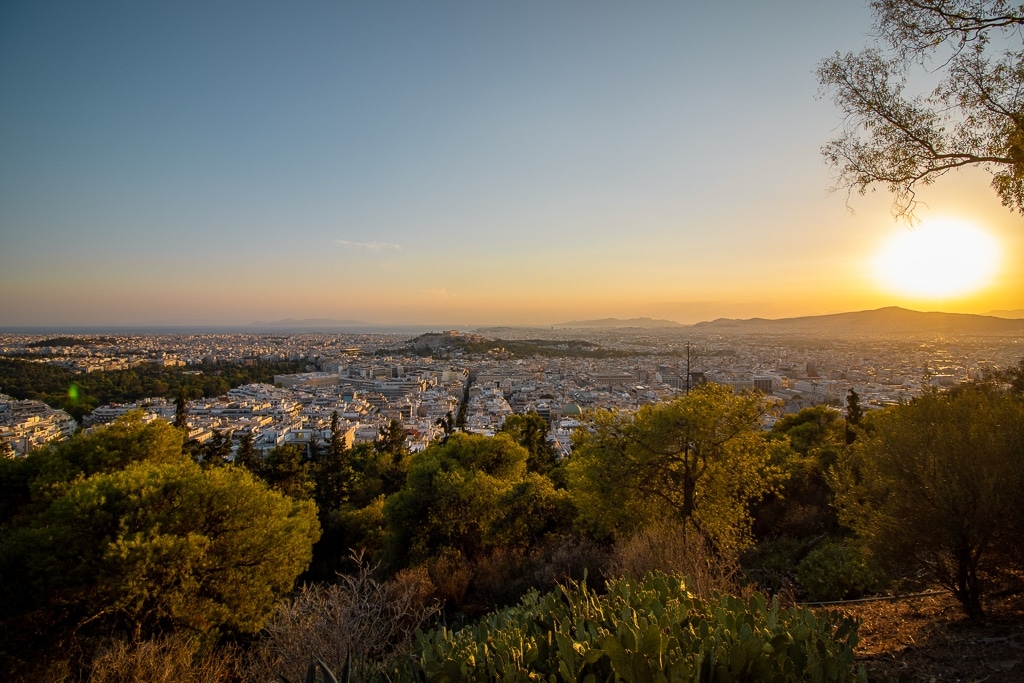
{"x": 973, "y": 115}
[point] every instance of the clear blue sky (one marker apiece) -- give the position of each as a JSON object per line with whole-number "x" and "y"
{"x": 473, "y": 162}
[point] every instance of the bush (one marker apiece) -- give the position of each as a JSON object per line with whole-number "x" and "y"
{"x": 672, "y": 548}
{"x": 770, "y": 564}
{"x": 358, "y": 619}
{"x": 641, "y": 631}
{"x": 836, "y": 571}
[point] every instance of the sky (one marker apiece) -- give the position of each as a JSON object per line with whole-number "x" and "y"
{"x": 449, "y": 162}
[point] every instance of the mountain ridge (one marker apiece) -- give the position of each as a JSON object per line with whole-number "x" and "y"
{"x": 886, "y": 320}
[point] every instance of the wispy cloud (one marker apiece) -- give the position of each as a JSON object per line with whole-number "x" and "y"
{"x": 437, "y": 292}
{"x": 370, "y": 246}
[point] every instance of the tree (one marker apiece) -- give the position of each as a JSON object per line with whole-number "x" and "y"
{"x": 935, "y": 484}
{"x": 332, "y": 471}
{"x": 451, "y": 495}
{"x": 181, "y": 409}
{"x": 246, "y": 454}
{"x": 126, "y": 440}
{"x": 802, "y": 506}
{"x": 391, "y": 444}
{"x": 530, "y": 431}
{"x": 447, "y": 424}
{"x": 217, "y": 451}
{"x": 286, "y": 469}
{"x": 701, "y": 458}
{"x": 974, "y": 116}
{"x": 1015, "y": 375}
{"x": 392, "y": 440}
{"x": 854, "y": 416}
{"x": 158, "y": 545}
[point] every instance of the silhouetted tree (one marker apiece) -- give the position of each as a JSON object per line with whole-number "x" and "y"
{"x": 854, "y": 415}
{"x": 181, "y": 409}
{"x": 973, "y": 117}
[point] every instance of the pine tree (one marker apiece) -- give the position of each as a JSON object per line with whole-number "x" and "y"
{"x": 854, "y": 415}
{"x": 333, "y": 471}
{"x": 181, "y": 409}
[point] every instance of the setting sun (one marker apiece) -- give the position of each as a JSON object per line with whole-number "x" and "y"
{"x": 939, "y": 259}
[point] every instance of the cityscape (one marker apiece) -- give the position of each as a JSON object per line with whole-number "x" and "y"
{"x": 371, "y": 379}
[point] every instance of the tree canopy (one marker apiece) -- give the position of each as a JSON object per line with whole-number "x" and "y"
{"x": 936, "y": 484}
{"x": 973, "y": 115}
{"x": 467, "y": 494}
{"x": 123, "y": 534}
{"x": 701, "y": 458}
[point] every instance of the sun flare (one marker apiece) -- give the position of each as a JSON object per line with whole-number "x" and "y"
{"x": 939, "y": 259}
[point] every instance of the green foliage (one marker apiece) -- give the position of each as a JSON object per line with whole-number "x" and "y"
{"x": 161, "y": 544}
{"x": 333, "y": 474}
{"x": 181, "y": 409}
{"x": 702, "y": 458}
{"x": 935, "y": 484}
{"x": 802, "y": 505}
{"x": 287, "y": 470}
{"x": 837, "y": 571}
{"x": 120, "y": 532}
{"x": 451, "y": 496}
{"x": 548, "y": 348}
{"x": 643, "y": 631}
{"x": 854, "y": 415}
{"x": 24, "y": 379}
{"x": 1015, "y": 376}
{"x": 32, "y": 482}
{"x": 816, "y": 431}
{"x": 530, "y": 431}
{"x": 529, "y": 511}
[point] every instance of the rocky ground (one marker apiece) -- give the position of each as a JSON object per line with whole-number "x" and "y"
{"x": 928, "y": 639}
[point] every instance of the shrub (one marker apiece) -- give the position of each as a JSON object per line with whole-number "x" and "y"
{"x": 836, "y": 571}
{"x": 359, "y": 620}
{"x": 770, "y": 564}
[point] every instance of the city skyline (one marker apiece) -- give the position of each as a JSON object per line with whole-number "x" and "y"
{"x": 412, "y": 163}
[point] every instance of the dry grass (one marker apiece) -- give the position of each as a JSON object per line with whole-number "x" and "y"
{"x": 670, "y": 547}
{"x": 172, "y": 659}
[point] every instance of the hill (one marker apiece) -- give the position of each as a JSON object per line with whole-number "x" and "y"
{"x": 884, "y": 321}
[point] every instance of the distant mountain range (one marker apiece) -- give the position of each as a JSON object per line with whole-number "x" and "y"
{"x": 310, "y": 322}
{"x": 890, "y": 320}
{"x": 645, "y": 323}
